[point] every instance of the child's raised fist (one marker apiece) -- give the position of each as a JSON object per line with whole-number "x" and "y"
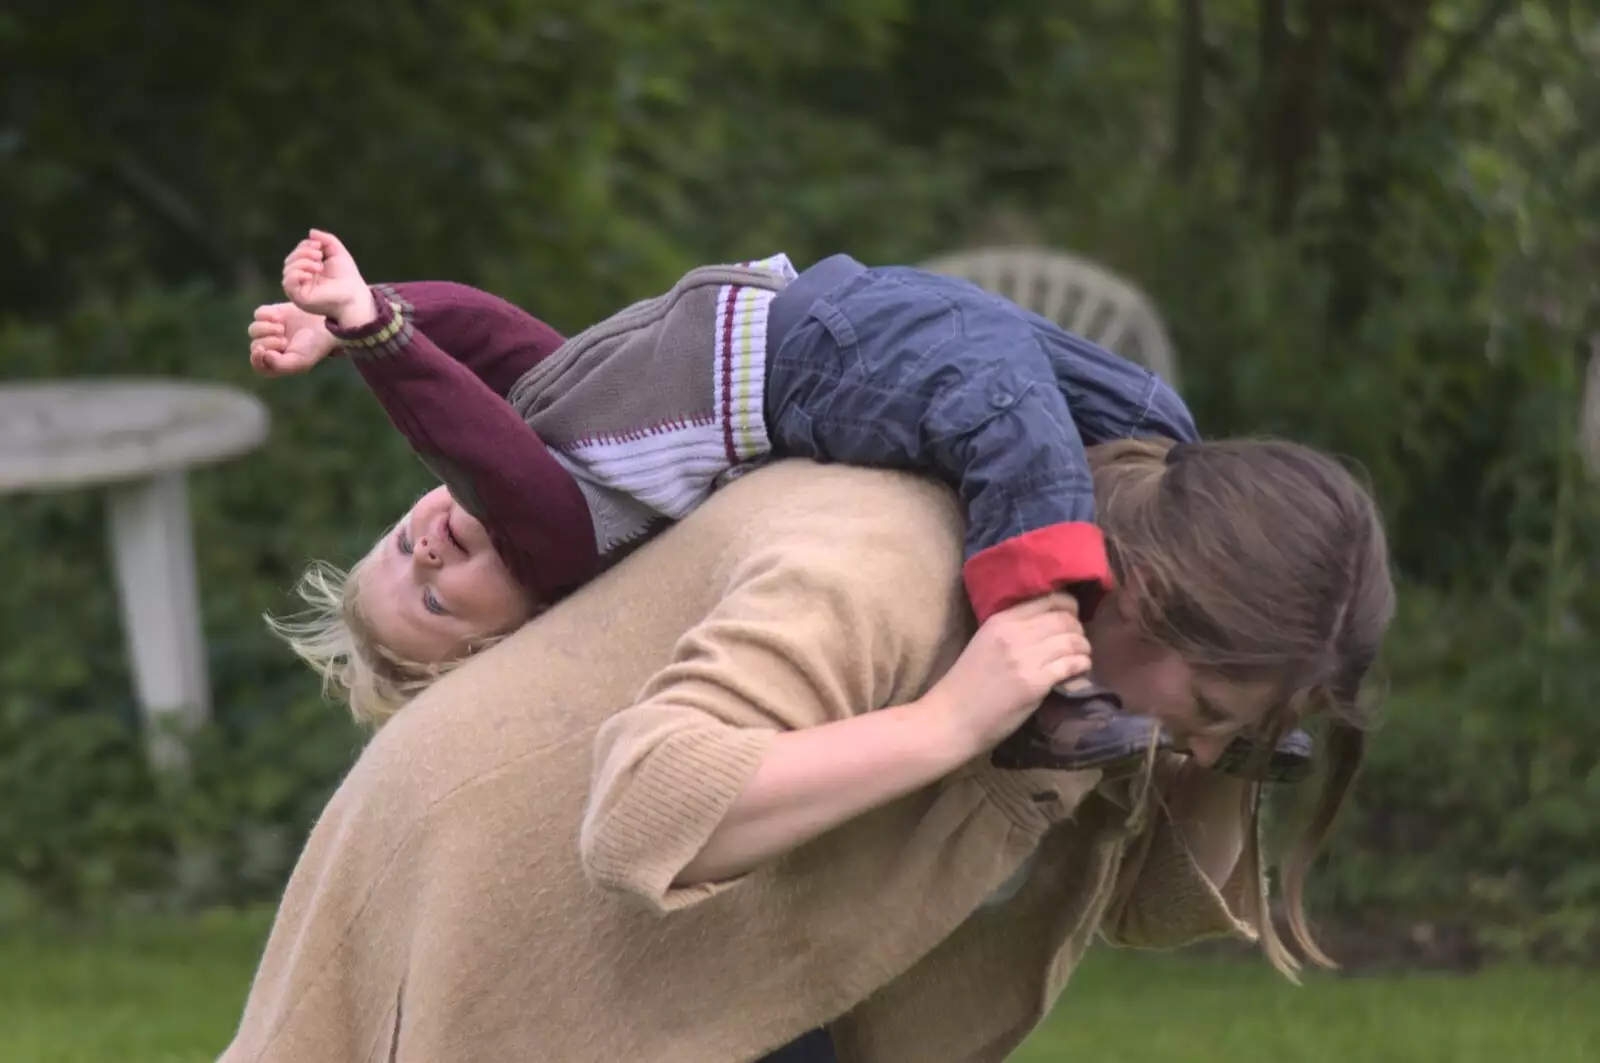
{"x": 285, "y": 340}
{"x": 320, "y": 277}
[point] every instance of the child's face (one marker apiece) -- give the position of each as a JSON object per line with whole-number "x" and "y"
{"x": 435, "y": 583}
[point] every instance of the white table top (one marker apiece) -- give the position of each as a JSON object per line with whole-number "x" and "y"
{"x": 87, "y": 432}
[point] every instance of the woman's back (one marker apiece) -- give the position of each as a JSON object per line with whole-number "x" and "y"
{"x": 447, "y": 907}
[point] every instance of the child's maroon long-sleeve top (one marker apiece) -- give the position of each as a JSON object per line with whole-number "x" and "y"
{"x": 441, "y": 358}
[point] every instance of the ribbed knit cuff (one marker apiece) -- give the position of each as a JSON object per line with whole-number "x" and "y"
{"x": 1034, "y": 564}
{"x": 388, "y": 333}
{"x": 673, "y": 802}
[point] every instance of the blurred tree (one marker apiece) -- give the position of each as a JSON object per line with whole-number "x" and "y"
{"x": 1370, "y": 224}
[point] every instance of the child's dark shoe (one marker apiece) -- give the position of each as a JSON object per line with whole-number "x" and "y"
{"x": 1291, "y": 761}
{"x": 1089, "y": 730}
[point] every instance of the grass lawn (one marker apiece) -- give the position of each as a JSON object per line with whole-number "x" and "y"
{"x": 170, "y": 993}
{"x": 1123, "y": 1008}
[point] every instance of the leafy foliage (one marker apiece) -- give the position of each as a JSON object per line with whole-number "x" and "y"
{"x": 1370, "y": 225}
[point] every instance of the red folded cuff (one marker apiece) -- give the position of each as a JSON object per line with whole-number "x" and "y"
{"x": 1058, "y": 557}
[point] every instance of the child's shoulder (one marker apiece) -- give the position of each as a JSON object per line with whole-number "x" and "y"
{"x": 777, "y": 264}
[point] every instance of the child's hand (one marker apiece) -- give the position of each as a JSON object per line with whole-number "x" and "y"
{"x": 1013, "y": 661}
{"x": 320, "y": 277}
{"x": 285, "y": 340}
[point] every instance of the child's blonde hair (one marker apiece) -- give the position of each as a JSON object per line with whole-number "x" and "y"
{"x": 332, "y": 635}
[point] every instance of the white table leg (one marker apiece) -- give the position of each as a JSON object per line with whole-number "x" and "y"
{"x": 153, "y": 550}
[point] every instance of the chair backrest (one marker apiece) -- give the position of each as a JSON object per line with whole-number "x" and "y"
{"x": 1077, "y": 294}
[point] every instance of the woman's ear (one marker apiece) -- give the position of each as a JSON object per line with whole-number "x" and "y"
{"x": 1116, "y": 608}
{"x": 1112, "y": 629}
{"x": 1119, "y": 638}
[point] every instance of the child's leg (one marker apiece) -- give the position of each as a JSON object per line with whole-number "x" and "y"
{"x": 1111, "y": 397}
{"x": 896, "y": 368}
{"x": 901, "y": 369}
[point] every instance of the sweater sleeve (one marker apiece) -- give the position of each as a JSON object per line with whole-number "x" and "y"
{"x": 1164, "y": 900}
{"x": 494, "y": 463}
{"x": 496, "y": 340}
{"x": 800, "y": 639}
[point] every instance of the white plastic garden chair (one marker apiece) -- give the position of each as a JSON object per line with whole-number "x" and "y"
{"x": 1076, "y": 294}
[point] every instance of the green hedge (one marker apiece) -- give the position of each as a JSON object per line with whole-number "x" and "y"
{"x": 84, "y": 823}
{"x": 1480, "y": 804}
{"x": 580, "y": 155}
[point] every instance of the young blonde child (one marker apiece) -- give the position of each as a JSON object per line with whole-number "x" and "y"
{"x": 556, "y": 457}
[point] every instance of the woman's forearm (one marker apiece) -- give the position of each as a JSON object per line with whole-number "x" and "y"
{"x": 817, "y": 778}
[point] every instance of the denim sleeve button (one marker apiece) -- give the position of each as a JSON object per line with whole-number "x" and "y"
{"x": 1000, "y": 400}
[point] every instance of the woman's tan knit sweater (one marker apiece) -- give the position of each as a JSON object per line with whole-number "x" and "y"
{"x": 492, "y": 882}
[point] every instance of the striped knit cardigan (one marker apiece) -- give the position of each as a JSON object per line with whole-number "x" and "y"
{"x": 570, "y": 452}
